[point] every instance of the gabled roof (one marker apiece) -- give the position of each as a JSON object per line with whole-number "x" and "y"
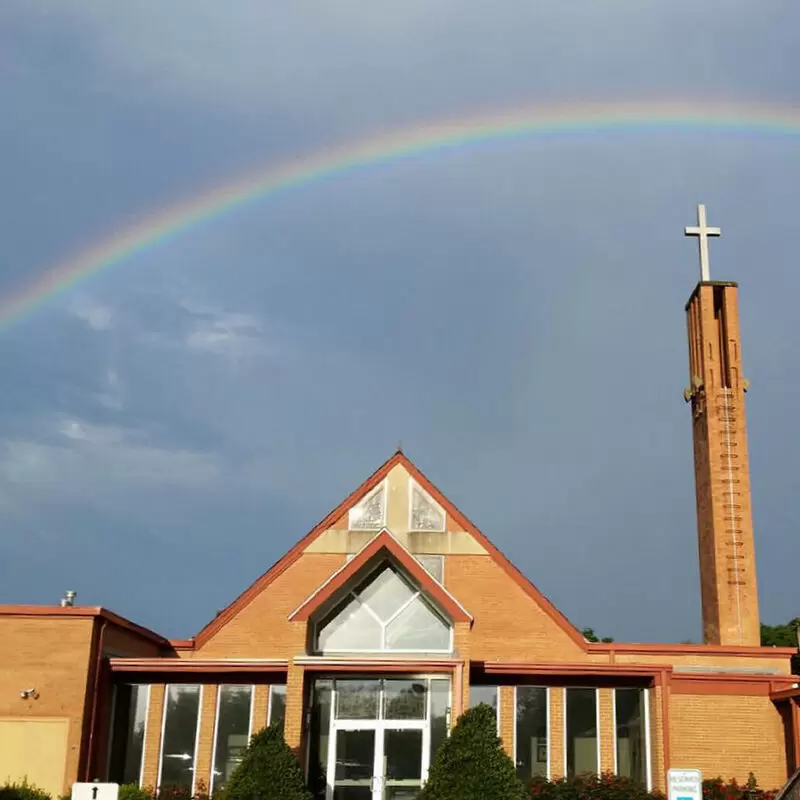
{"x": 399, "y": 458}
{"x": 384, "y": 544}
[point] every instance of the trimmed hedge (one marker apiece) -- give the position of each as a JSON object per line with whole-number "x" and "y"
{"x": 614, "y": 787}
{"x": 591, "y": 787}
{"x": 268, "y": 771}
{"x": 471, "y": 764}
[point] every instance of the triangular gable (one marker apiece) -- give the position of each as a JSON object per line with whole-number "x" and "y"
{"x": 399, "y": 458}
{"x": 384, "y": 544}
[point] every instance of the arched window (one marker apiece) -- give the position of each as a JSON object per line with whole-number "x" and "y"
{"x": 383, "y": 613}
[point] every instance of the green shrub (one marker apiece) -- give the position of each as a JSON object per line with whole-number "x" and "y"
{"x": 596, "y": 787}
{"x": 22, "y": 791}
{"x": 131, "y": 791}
{"x": 268, "y": 771}
{"x": 471, "y": 764}
{"x": 718, "y": 789}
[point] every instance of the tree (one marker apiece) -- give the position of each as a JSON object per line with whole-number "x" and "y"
{"x": 268, "y": 771}
{"x": 471, "y": 764}
{"x": 591, "y": 636}
{"x": 783, "y": 636}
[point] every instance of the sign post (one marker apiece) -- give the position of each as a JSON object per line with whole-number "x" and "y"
{"x": 95, "y": 791}
{"x": 684, "y": 784}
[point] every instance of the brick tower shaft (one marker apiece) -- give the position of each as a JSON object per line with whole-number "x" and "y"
{"x": 722, "y": 472}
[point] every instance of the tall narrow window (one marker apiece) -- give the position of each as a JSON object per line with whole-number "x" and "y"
{"x": 370, "y": 513}
{"x": 277, "y": 705}
{"x": 631, "y": 734}
{"x": 486, "y": 694}
{"x": 531, "y": 755}
{"x": 321, "y": 696}
{"x": 439, "y": 712}
{"x": 127, "y": 735}
{"x": 178, "y": 744}
{"x": 426, "y": 514}
{"x": 581, "y": 719}
{"x": 233, "y": 731}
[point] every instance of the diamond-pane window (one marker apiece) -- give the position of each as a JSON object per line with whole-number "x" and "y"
{"x": 383, "y": 613}
{"x": 426, "y": 515}
{"x": 370, "y": 513}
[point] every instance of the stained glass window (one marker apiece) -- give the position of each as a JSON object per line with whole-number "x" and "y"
{"x": 426, "y": 515}
{"x": 370, "y": 513}
{"x": 383, "y": 613}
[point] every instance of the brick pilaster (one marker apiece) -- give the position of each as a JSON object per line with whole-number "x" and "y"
{"x": 205, "y": 739}
{"x": 556, "y": 732}
{"x": 152, "y": 745}
{"x": 607, "y": 734}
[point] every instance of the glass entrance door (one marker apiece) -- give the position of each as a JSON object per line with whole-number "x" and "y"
{"x": 354, "y": 770}
{"x": 376, "y": 760}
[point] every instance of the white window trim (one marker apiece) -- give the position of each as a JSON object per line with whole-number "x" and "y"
{"x": 411, "y": 485}
{"x": 220, "y": 687}
{"x": 382, "y": 486}
{"x": 547, "y": 721}
{"x": 646, "y": 723}
{"x": 196, "y": 735}
{"x": 597, "y": 724}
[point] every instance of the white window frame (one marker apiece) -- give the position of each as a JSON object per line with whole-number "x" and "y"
{"x": 646, "y": 722}
{"x": 411, "y": 485}
{"x": 417, "y": 593}
{"x": 196, "y": 734}
{"x": 382, "y": 486}
{"x": 216, "y": 726}
{"x": 144, "y": 732}
{"x": 597, "y": 724}
{"x": 547, "y": 720}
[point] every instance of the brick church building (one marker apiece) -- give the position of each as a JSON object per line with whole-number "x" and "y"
{"x": 370, "y": 637}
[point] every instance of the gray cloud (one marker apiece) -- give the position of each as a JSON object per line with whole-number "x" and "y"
{"x": 513, "y": 313}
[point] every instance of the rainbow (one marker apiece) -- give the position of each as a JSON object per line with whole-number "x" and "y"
{"x": 438, "y": 136}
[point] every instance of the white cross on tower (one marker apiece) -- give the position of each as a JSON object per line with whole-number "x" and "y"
{"x": 702, "y": 232}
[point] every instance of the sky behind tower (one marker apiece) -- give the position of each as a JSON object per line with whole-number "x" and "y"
{"x": 512, "y": 312}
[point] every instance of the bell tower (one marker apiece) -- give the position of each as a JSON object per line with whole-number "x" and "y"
{"x": 722, "y": 472}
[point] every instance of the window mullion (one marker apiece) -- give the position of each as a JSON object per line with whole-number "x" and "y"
{"x": 403, "y": 607}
